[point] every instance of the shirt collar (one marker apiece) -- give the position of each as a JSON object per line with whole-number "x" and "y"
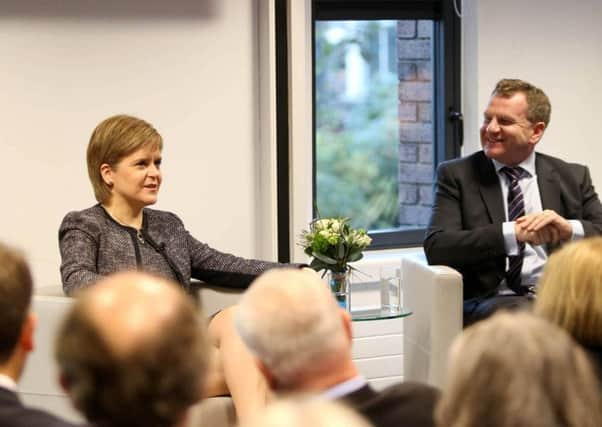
{"x": 528, "y": 164}
{"x": 344, "y": 388}
{"x": 8, "y": 383}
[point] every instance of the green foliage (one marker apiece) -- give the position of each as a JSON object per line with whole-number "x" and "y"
{"x": 357, "y": 142}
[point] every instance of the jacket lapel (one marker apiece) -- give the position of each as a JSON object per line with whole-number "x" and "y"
{"x": 491, "y": 191}
{"x": 549, "y": 189}
{"x": 549, "y": 185}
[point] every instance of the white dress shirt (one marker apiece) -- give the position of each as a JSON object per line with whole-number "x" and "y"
{"x": 344, "y": 388}
{"x": 535, "y": 256}
{"x": 8, "y": 383}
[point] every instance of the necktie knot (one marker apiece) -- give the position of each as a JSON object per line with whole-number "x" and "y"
{"x": 513, "y": 173}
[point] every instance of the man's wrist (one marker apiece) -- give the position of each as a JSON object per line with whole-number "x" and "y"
{"x": 578, "y": 232}
{"x": 510, "y": 241}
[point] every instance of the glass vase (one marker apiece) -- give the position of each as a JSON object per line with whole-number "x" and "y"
{"x": 340, "y": 286}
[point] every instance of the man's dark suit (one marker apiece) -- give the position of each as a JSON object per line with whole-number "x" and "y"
{"x": 408, "y": 404}
{"x": 14, "y": 414}
{"x": 465, "y": 231}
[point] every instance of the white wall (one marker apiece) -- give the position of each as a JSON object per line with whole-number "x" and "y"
{"x": 189, "y": 67}
{"x": 194, "y": 69}
{"x": 555, "y": 44}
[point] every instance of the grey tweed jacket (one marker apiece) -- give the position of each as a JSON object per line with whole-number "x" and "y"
{"x": 93, "y": 244}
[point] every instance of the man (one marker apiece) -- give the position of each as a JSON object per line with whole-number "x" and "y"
{"x": 499, "y": 212}
{"x": 133, "y": 352}
{"x": 17, "y": 326}
{"x": 302, "y": 341}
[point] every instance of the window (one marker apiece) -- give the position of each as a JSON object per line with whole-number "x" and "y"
{"x": 386, "y": 100}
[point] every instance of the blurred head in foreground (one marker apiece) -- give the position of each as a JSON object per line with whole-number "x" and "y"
{"x": 302, "y": 412}
{"x": 570, "y": 290}
{"x": 133, "y": 352}
{"x": 291, "y": 322}
{"x": 518, "y": 370}
{"x": 17, "y": 323}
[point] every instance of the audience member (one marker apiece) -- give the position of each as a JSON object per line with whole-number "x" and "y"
{"x": 518, "y": 370}
{"x": 570, "y": 294}
{"x": 133, "y": 352}
{"x": 499, "y": 212}
{"x": 17, "y": 325}
{"x": 302, "y": 341}
{"x": 307, "y": 411}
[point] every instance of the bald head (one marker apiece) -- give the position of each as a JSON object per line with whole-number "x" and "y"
{"x": 292, "y": 323}
{"x": 129, "y": 308}
{"x": 133, "y": 350}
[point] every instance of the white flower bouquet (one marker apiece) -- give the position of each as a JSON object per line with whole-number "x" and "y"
{"x": 333, "y": 244}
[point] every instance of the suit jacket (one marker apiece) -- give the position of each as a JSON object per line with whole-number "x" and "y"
{"x": 408, "y": 404}
{"x": 14, "y": 414}
{"x": 465, "y": 230}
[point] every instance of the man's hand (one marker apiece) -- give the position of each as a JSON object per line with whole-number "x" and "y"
{"x": 543, "y": 227}
{"x": 546, "y": 235}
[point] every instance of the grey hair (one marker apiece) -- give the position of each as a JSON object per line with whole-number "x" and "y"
{"x": 291, "y": 322}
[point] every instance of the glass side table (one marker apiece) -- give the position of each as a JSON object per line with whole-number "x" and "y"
{"x": 379, "y": 314}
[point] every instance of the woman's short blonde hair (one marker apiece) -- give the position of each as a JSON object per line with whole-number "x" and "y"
{"x": 113, "y": 139}
{"x": 518, "y": 370}
{"x": 570, "y": 290}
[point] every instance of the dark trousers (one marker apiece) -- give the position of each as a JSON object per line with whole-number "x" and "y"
{"x": 480, "y": 308}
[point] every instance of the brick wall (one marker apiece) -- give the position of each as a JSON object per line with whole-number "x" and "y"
{"x": 415, "y": 118}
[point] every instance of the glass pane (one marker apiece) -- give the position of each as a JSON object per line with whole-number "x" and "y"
{"x": 374, "y": 127}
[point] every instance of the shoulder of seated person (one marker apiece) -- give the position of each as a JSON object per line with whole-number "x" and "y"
{"x": 156, "y": 213}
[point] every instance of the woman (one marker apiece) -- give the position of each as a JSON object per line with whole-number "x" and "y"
{"x": 518, "y": 370}
{"x": 570, "y": 294}
{"x": 121, "y": 233}
{"x": 124, "y": 159}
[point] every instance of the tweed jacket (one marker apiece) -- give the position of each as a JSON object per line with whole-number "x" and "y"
{"x": 93, "y": 244}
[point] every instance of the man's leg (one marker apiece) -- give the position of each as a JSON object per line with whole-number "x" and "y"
{"x": 476, "y": 309}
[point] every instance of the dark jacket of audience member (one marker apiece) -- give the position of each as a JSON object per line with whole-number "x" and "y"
{"x": 17, "y": 326}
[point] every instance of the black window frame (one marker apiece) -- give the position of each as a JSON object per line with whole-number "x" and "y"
{"x": 447, "y": 135}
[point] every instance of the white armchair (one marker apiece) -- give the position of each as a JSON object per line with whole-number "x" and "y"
{"x": 434, "y": 294}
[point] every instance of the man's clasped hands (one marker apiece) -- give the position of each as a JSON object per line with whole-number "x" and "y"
{"x": 546, "y": 227}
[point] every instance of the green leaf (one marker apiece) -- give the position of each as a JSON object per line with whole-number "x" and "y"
{"x": 354, "y": 251}
{"x": 341, "y": 250}
{"x": 316, "y": 264}
{"x": 324, "y": 258}
{"x": 355, "y": 256}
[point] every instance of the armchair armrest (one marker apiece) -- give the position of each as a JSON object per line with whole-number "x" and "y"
{"x": 434, "y": 294}
{"x": 215, "y": 298}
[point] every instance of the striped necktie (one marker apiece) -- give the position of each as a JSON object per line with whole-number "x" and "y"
{"x": 516, "y": 209}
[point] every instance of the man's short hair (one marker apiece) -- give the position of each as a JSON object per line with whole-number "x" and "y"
{"x": 15, "y": 298}
{"x": 151, "y": 385}
{"x": 539, "y": 108}
{"x": 291, "y": 322}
